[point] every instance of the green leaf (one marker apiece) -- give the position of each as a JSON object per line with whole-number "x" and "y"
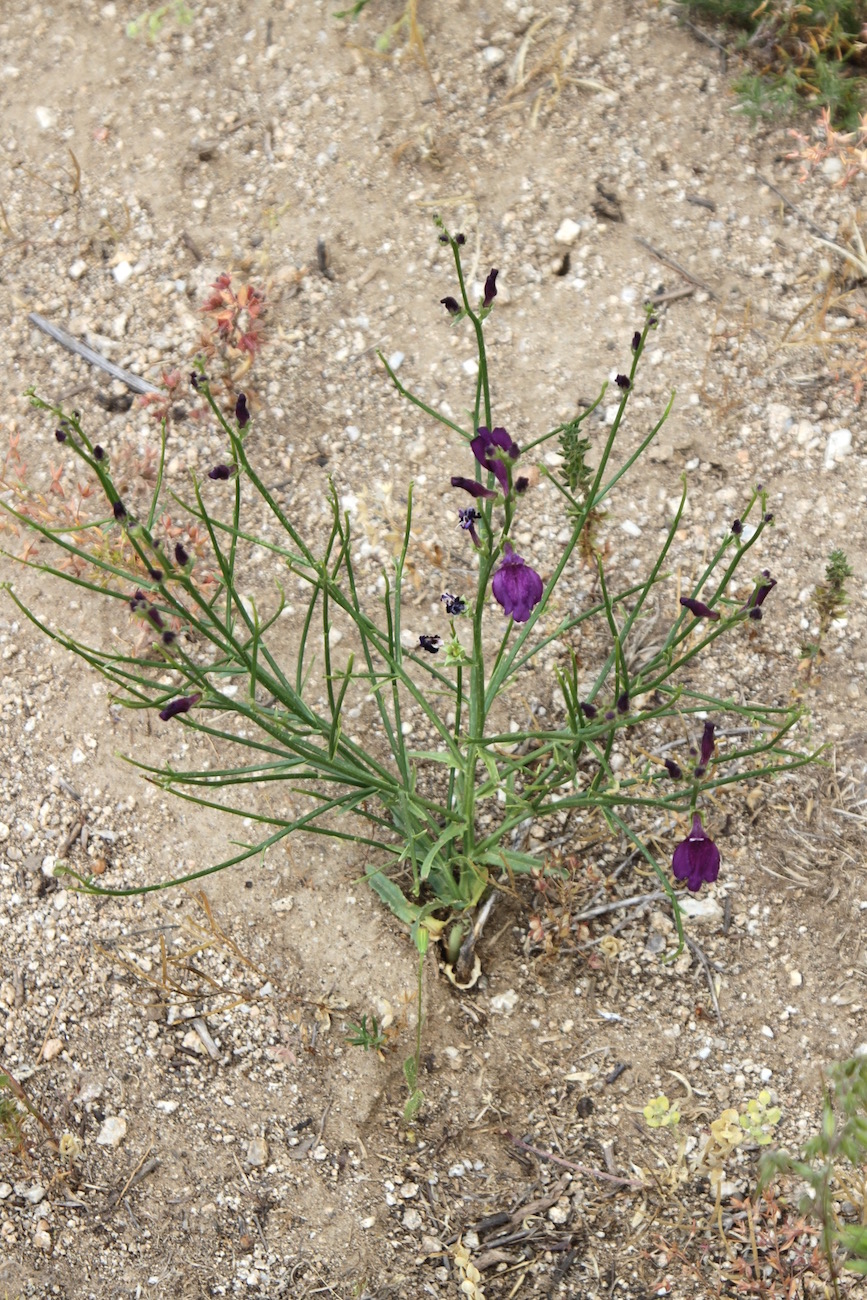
{"x": 393, "y": 897}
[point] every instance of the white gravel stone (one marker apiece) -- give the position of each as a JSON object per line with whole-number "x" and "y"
{"x": 122, "y": 272}
{"x": 113, "y": 1131}
{"x": 839, "y": 444}
{"x": 567, "y": 232}
{"x": 78, "y": 269}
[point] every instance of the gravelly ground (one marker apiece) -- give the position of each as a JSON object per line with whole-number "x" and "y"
{"x": 226, "y": 1139}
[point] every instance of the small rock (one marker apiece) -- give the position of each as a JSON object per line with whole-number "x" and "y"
{"x": 701, "y": 909}
{"x": 41, "y": 1239}
{"x": 283, "y": 904}
{"x": 493, "y": 55}
{"x": 367, "y": 1223}
{"x": 122, "y": 272}
{"x": 52, "y": 1048}
{"x": 78, "y": 268}
{"x": 35, "y": 1194}
{"x": 5, "y": 1191}
{"x": 257, "y": 1153}
{"x": 396, "y": 360}
{"x": 4, "y": 831}
{"x": 504, "y": 1003}
{"x": 567, "y": 232}
{"x": 796, "y": 979}
{"x": 560, "y": 1212}
{"x": 78, "y": 755}
{"x": 167, "y": 1107}
{"x": 839, "y": 444}
{"x": 46, "y": 118}
{"x": 113, "y": 1131}
{"x": 412, "y": 1219}
{"x": 631, "y": 528}
{"x": 408, "y": 1191}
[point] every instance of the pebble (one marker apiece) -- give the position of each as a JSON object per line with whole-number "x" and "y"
{"x": 560, "y": 1212}
{"x": 46, "y": 118}
{"x": 167, "y": 1107}
{"x": 796, "y": 979}
{"x": 5, "y": 1191}
{"x": 493, "y": 55}
{"x": 396, "y": 360}
{"x": 504, "y": 1003}
{"x": 52, "y": 1048}
{"x": 567, "y": 232}
{"x": 257, "y": 1152}
{"x": 122, "y": 272}
{"x": 412, "y": 1219}
{"x": 701, "y": 909}
{"x": 35, "y": 1194}
{"x": 113, "y": 1131}
{"x": 78, "y": 268}
{"x": 41, "y": 1239}
{"x": 4, "y": 832}
{"x": 839, "y": 444}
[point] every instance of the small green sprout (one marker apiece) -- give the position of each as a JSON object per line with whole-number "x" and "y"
{"x": 660, "y": 1113}
{"x": 759, "y": 1118}
{"x": 369, "y": 1036}
{"x": 830, "y": 599}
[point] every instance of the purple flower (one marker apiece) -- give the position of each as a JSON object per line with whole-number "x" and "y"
{"x": 221, "y": 472}
{"x": 136, "y": 600}
{"x": 698, "y": 608}
{"x": 516, "y": 586}
{"x": 521, "y": 484}
{"x": 155, "y": 617}
{"x": 98, "y": 453}
{"x": 490, "y": 288}
{"x": 452, "y": 306}
{"x": 589, "y": 710}
{"x": 623, "y": 703}
{"x": 636, "y": 341}
{"x": 757, "y": 599}
{"x": 195, "y": 380}
{"x": 707, "y": 744}
{"x": 470, "y": 485}
{"x": 487, "y": 447}
{"x": 672, "y": 769}
{"x": 60, "y": 435}
{"x": 430, "y": 643}
{"x": 737, "y": 528}
{"x": 468, "y": 523}
{"x": 460, "y": 239}
{"x": 119, "y": 510}
{"x": 696, "y": 859}
{"x": 181, "y": 556}
{"x": 444, "y": 239}
{"x": 169, "y": 638}
{"x": 622, "y": 381}
{"x": 156, "y": 574}
{"x": 242, "y": 414}
{"x": 454, "y": 604}
{"x": 182, "y": 704}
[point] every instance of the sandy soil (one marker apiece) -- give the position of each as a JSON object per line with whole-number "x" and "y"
{"x": 222, "y": 1136}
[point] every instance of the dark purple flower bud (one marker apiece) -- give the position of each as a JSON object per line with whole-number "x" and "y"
{"x": 623, "y": 702}
{"x": 169, "y": 638}
{"x": 672, "y": 769}
{"x": 182, "y": 704}
{"x": 521, "y": 484}
{"x": 242, "y": 414}
{"x": 155, "y": 618}
{"x": 696, "y": 859}
{"x": 460, "y": 239}
{"x": 221, "y": 472}
{"x": 737, "y": 528}
{"x": 589, "y": 710}
{"x": 430, "y": 643}
{"x": 468, "y": 523}
{"x": 757, "y": 599}
{"x": 451, "y": 305}
{"x": 60, "y": 435}
{"x": 470, "y": 485}
{"x": 136, "y": 600}
{"x": 769, "y": 518}
{"x": 490, "y": 288}
{"x": 454, "y": 604}
{"x": 698, "y": 608}
{"x": 156, "y": 574}
{"x": 636, "y": 340}
{"x": 610, "y": 715}
{"x": 119, "y": 510}
{"x": 707, "y": 745}
{"x": 98, "y": 453}
{"x": 653, "y": 321}
{"x": 194, "y": 381}
{"x": 622, "y": 381}
{"x": 444, "y": 239}
{"x": 181, "y": 555}
{"x": 755, "y": 615}
{"x": 490, "y": 447}
{"x": 516, "y": 586}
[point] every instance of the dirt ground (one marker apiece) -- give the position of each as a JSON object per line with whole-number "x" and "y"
{"x": 222, "y": 1137}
